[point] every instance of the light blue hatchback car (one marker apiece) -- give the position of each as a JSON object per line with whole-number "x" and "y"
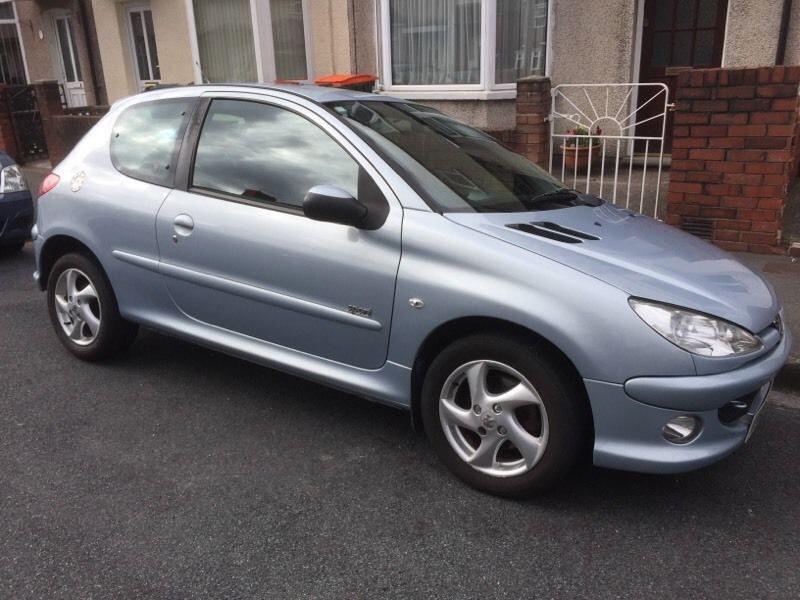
{"x": 384, "y": 248}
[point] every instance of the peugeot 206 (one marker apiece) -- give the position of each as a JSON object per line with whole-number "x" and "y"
{"x": 383, "y": 248}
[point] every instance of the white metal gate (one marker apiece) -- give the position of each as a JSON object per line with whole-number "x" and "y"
{"x": 594, "y": 143}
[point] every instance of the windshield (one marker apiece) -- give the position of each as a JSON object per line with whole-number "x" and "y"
{"x": 458, "y": 167}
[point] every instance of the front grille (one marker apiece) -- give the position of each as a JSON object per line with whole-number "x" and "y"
{"x": 736, "y": 409}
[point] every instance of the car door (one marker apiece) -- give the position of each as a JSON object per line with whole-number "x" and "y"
{"x": 238, "y": 253}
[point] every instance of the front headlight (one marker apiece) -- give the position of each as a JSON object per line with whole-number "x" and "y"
{"x": 695, "y": 332}
{"x": 12, "y": 180}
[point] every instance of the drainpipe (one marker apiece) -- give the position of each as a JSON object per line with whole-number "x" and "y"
{"x": 780, "y": 53}
{"x": 90, "y": 50}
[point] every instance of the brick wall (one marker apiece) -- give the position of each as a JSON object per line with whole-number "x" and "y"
{"x": 66, "y": 131}
{"x": 532, "y": 137}
{"x": 48, "y": 100}
{"x": 734, "y": 153}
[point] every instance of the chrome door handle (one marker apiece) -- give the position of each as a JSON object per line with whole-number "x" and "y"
{"x": 183, "y": 225}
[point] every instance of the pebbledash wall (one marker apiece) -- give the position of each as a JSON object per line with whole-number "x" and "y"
{"x": 734, "y": 155}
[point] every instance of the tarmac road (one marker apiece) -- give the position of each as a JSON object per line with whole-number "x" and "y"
{"x": 176, "y": 472}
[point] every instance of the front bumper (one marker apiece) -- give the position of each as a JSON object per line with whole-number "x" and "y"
{"x": 628, "y": 419}
{"x": 16, "y": 217}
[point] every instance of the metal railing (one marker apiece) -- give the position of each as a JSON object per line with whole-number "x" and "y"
{"x": 596, "y": 124}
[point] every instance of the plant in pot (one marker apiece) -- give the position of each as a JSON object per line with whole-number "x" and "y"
{"x": 578, "y": 150}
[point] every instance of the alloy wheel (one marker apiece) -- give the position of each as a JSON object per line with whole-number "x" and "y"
{"x": 493, "y": 418}
{"x": 77, "y": 306}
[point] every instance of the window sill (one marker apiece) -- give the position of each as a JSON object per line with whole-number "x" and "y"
{"x": 451, "y": 94}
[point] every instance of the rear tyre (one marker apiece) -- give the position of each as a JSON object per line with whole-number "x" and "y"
{"x": 504, "y": 415}
{"x": 83, "y": 309}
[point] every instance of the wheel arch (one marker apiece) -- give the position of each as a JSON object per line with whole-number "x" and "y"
{"x": 447, "y": 333}
{"x": 54, "y": 248}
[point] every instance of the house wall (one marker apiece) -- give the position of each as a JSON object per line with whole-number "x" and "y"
{"x": 592, "y": 42}
{"x": 112, "y": 41}
{"x": 331, "y": 37}
{"x": 793, "y": 39}
{"x": 34, "y": 18}
{"x": 751, "y": 35}
{"x": 363, "y": 37}
{"x": 495, "y": 115}
{"x": 37, "y": 52}
{"x": 171, "y": 26}
{"x": 172, "y": 40}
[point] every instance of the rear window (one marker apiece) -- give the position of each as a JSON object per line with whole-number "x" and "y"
{"x": 146, "y": 139}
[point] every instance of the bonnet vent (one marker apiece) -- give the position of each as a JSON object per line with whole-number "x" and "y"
{"x": 553, "y": 231}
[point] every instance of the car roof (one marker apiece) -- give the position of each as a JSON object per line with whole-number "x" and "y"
{"x": 315, "y": 93}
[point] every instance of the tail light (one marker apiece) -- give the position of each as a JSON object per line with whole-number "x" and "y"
{"x": 49, "y": 183}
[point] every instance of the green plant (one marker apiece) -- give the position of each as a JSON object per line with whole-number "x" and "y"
{"x": 580, "y": 141}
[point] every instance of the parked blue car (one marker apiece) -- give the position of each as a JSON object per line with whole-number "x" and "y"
{"x": 384, "y": 248}
{"x": 16, "y": 205}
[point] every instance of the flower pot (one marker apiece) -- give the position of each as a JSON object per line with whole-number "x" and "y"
{"x": 579, "y": 155}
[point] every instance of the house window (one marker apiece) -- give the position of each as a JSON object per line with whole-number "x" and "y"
{"x": 143, "y": 44}
{"x": 288, "y": 35}
{"x": 233, "y": 40}
{"x": 462, "y": 45}
{"x": 225, "y": 41}
{"x": 12, "y": 64}
{"x": 521, "y": 39}
{"x": 436, "y": 42}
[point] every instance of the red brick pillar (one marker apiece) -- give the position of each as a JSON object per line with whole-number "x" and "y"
{"x": 733, "y": 154}
{"x": 48, "y": 99}
{"x": 532, "y": 136}
{"x": 8, "y": 141}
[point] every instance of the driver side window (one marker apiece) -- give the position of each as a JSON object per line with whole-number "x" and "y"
{"x": 267, "y": 154}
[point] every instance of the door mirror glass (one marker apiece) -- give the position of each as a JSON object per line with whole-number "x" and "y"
{"x": 333, "y": 205}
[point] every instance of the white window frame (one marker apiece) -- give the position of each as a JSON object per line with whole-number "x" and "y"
{"x": 15, "y": 21}
{"x": 486, "y": 89}
{"x": 139, "y": 7}
{"x": 264, "y": 45}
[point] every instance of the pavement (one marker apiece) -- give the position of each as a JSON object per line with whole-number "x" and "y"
{"x": 176, "y": 472}
{"x": 783, "y": 273}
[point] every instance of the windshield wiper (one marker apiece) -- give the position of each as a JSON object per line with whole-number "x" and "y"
{"x": 559, "y": 194}
{"x": 563, "y": 197}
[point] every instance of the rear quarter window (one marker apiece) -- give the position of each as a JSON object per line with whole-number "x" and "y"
{"x": 146, "y": 139}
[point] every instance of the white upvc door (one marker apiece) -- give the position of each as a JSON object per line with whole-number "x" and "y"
{"x": 68, "y": 62}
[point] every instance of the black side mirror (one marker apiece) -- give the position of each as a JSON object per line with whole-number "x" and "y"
{"x": 333, "y": 205}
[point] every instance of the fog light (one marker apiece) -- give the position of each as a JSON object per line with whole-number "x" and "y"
{"x": 681, "y": 430}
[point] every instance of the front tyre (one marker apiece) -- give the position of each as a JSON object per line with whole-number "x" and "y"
{"x": 83, "y": 309}
{"x": 504, "y": 415}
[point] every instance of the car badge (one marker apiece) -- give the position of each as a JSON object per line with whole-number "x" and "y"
{"x": 359, "y": 311}
{"x": 77, "y": 181}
